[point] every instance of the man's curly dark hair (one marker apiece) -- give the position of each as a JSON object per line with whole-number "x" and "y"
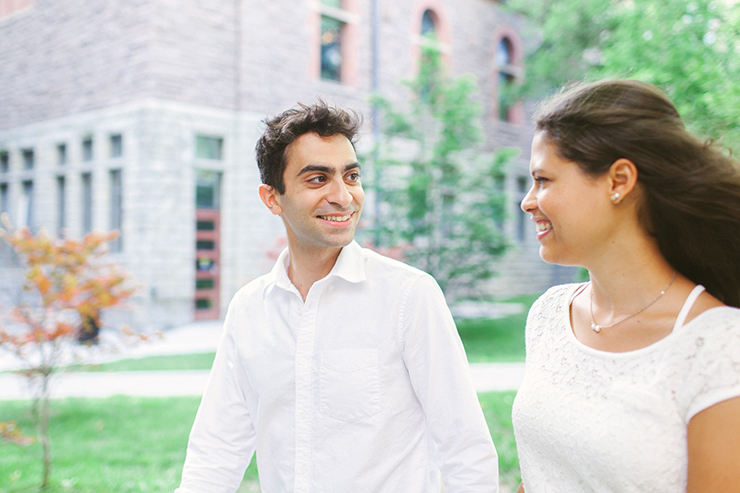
{"x": 283, "y": 129}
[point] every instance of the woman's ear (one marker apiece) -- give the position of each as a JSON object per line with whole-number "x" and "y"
{"x": 622, "y": 179}
{"x": 270, "y": 197}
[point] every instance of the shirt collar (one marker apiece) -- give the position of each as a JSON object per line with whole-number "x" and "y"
{"x": 350, "y": 266}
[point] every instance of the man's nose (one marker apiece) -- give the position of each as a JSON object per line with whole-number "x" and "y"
{"x": 339, "y": 193}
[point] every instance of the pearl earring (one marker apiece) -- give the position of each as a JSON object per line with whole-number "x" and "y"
{"x": 615, "y": 196}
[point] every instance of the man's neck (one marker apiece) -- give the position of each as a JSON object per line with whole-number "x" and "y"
{"x": 310, "y": 265}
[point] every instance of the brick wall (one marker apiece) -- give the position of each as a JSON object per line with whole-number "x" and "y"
{"x": 62, "y": 58}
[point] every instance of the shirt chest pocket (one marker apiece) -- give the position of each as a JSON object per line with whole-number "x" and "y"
{"x": 349, "y": 384}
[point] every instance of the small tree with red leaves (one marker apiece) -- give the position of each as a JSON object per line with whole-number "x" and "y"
{"x": 67, "y": 283}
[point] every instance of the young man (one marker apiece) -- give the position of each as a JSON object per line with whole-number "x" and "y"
{"x": 341, "y": 368}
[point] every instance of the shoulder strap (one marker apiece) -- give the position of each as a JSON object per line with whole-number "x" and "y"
{"x": 579, "y": 289}
{"x": 688, "y": 304}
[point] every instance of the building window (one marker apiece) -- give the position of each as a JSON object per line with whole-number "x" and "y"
{"x": 26, "y": 205}
{"x": 4, "y": 199}
{"x": 331, "y": 48}
{"x": 208, "y": 184}
{"x": 4, "y": 162}
{"x": 430, "y": 47}
{"x": 428, "y": 23}
{"x": 87, "y": 149}
{"x": 61, "y": 205}
{"x": 61, "y": 154}
{"x": 499, "y": 184}
{"x": 521, "y": 223}
{"x": 336, "y": 41}
{"x": 209, "y": 147}
{"x": 87, "y": 199}
{"x": 116, "y": 145}
{"x": 506, "y": 76}
{"x": 335, "y": 28}
{"x": 116, "y": 208}
{"x": 27, "y": 158}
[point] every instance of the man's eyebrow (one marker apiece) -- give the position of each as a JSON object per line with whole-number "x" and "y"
{"x": 325, "y": 169}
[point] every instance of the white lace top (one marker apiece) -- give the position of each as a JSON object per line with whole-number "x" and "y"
{"x": 588, "y": 420}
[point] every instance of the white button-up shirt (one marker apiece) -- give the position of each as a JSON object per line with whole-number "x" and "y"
{"x": 364, "y": 387}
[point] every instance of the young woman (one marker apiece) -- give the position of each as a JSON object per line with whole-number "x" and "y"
{"x": 633, "y": 378}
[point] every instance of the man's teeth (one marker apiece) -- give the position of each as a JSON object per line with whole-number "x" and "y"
{"x": 543, "y": 227}
{"x": 338, "y": 219}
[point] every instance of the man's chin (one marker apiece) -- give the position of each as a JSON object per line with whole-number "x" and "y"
{"x": 341, "y": 240}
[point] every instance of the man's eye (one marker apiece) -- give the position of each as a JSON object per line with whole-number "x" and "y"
{"x": 317, "y": 179}
{"x": 354, "y": 176}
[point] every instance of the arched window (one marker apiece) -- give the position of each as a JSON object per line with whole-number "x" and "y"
{"x": 503, "y": 54}
{"x": 429, "y": 43}
{"x": 506, "y": 77}
{"x": 429, "y": 30}
{"x": 428, "y": 23}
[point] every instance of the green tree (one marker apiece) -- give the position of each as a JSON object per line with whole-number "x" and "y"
{"x": 441, "y": 198}
{"x": 688, "y": 48}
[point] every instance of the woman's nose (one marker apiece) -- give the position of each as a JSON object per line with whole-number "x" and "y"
{"x": 529, "y": 202}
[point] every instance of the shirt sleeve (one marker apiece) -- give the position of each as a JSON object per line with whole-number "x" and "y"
{"x": 439, "y": 372}
{"x": 222, "y": 440}
{"x": 713, "y": 353}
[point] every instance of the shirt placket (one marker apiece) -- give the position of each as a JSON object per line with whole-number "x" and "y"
{"x": 304, "y": 360}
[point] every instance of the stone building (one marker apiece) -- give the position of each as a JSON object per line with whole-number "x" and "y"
{"x": 142, "y": 116}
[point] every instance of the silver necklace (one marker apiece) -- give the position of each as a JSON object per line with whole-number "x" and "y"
{"x": 597, "y": 328}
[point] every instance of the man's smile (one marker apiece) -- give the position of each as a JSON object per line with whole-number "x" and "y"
{"x": 335, "y": 218}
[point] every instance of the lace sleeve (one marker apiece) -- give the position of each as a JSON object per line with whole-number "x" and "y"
{"x": 712, "y": 348}
{"x": 536, "y": 308}
{"x": 551, "y": 302}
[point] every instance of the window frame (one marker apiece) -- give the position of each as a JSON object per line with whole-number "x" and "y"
{"x": 199, "y": 142}
{"x": 115, "y": 218}
{"x": 442, "y": 30}
{"x": 87, "y": 200}
{"x": 349, "y": 18}
{"x": 115, "y": 141}
{"x": 512, "y": 72}
{"x": 88, "y": 149}
{"x": 4, "y": 161}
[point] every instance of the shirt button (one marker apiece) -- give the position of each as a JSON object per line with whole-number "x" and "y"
{"x": 303, "y": 414}
{"x": 303, "y": 361}
{"x": 302, "y": 471}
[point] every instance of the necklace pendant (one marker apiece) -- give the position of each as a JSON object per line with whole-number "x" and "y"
{"x": 596, "y": 327}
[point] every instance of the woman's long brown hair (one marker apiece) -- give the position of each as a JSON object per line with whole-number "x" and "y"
{"x": 691, "y": 187}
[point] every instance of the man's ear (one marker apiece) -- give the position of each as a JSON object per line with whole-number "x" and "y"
{"x": 270, "y": 197}
{"x": 622, "y": 179}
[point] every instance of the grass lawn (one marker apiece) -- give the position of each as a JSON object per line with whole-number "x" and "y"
{"x": 198, "y": 361}
{"x": 497, "y": 410}
{"x": 115, "y": 445}
{"x": 131, "y": 444}
{"x": 496, "y": 340}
